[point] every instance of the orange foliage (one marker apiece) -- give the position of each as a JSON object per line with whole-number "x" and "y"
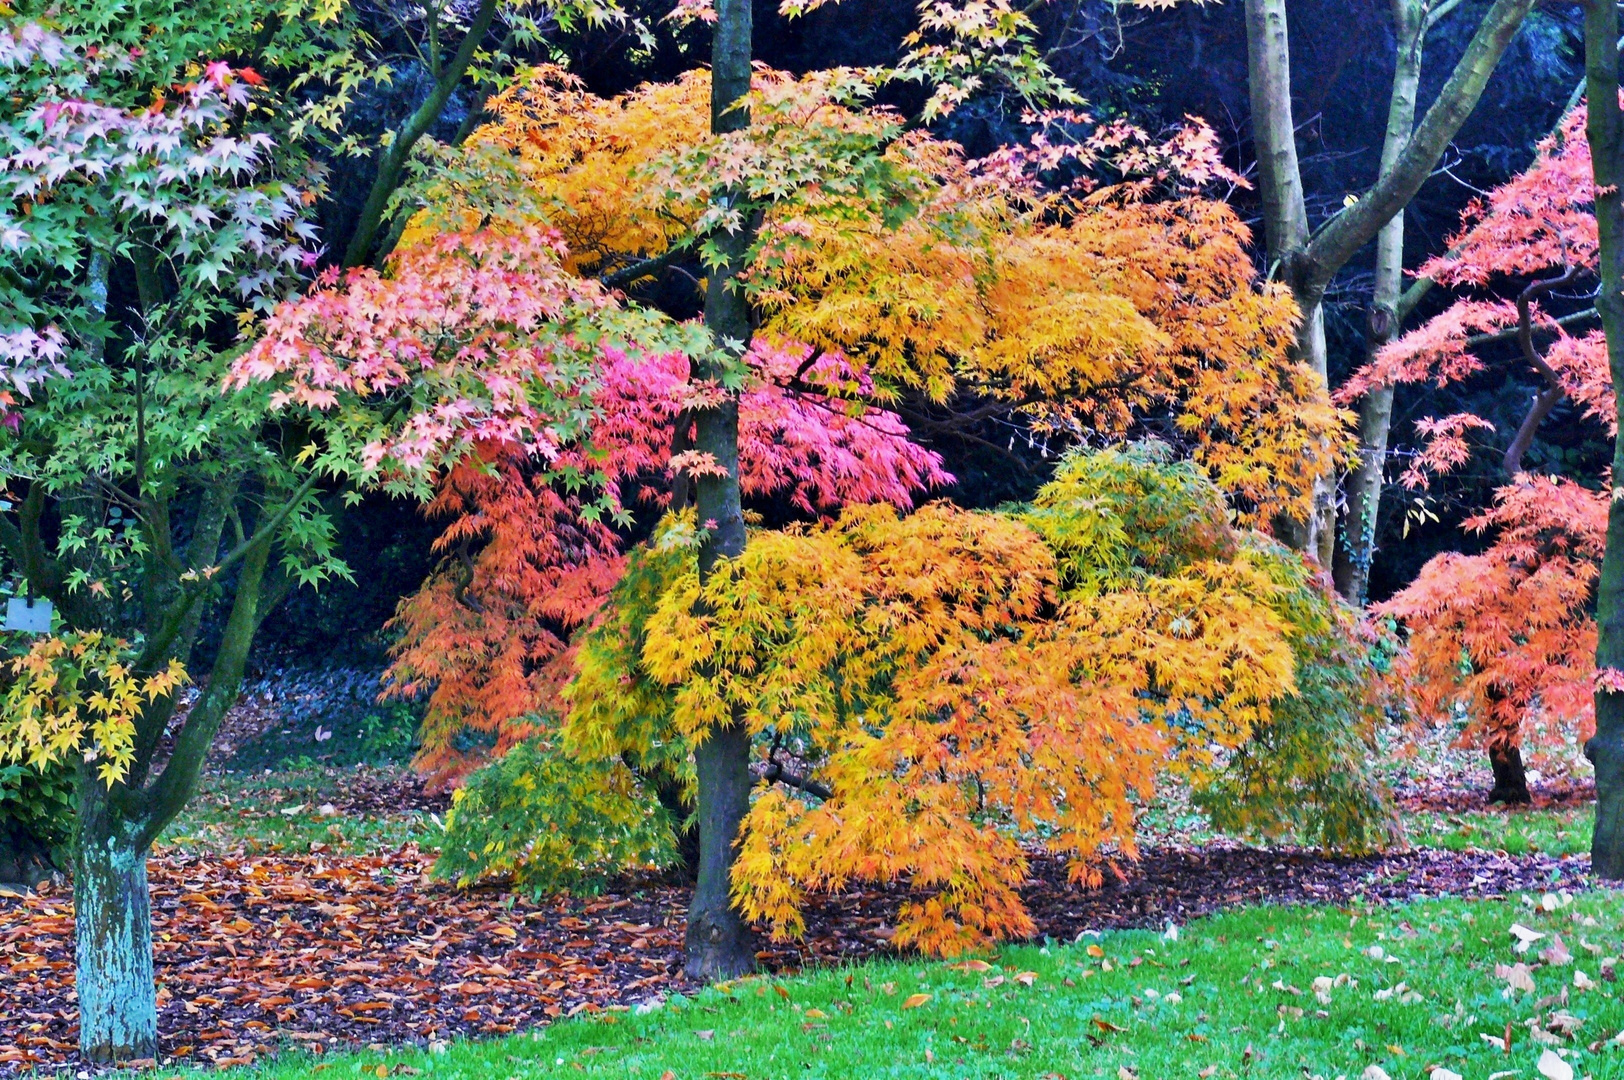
{"x": 949, "y": 696}
{"x": 1506, "y": 637}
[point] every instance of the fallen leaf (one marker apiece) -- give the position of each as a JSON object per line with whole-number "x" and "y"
{"x": 1552, "y": 1067}
{"x": 971, "y": 965}
{"x": 913, "y": 1001}
{"x": 1517, "y": 976}
{"x": 1374, "y": 1072}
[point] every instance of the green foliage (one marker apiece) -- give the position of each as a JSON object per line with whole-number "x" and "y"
{"x": 1117, "y": 518}
{"x": 39, "y": 802}
{"x": 1310, "y": 771}
{"x": 1113, "y": 516}
{"x": 553, "y": 823}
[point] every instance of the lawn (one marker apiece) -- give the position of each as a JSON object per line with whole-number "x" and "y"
{"x": 1265, "y": 992}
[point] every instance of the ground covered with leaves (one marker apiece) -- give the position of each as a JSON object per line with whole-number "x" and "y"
{"x": 319, "y": 950}
{"x": 1520, "y": 987}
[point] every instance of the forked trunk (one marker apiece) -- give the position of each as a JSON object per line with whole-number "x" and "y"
{"x": 1510, "y": 778}
{"x": 118, "y": 1006}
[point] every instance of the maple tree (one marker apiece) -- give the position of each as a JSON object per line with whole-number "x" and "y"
{"x": 846, "y": 236}
{"x": 918, "y": 686}
{"x": 1517, "y": 616}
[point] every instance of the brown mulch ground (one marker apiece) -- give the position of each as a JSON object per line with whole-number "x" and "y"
{"x": 317, "y": 951}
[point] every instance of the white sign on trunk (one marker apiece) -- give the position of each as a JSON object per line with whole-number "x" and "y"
{"x": 28, "y": 616}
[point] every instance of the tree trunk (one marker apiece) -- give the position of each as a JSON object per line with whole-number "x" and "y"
{"x": 1285, "y": 213}
{"x": 1306, "y": 263}
{"x": 1364, "y": 490}
{"x": 1604, "y": 128}
{"x": 1510, "y": 779}
{"x": 718, "y": 944}
{"x": 118, "y": 1005}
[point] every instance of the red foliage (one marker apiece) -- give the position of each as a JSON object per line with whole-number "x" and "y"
{"x": 1506, "y": 635}
{"x": 487, "y": 631}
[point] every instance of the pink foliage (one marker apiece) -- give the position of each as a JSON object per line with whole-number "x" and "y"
{"x": 1541, "y": 219}
{"x": 471, "y": 326}
{"x": 1435, "y": 350}
{"x": 1446, "y": 448}
{"x": 1581, "y": 364}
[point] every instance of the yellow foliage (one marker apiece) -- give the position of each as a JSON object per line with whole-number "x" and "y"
{"x": 949, "y": 700}
{"x": 1084, "y": 313}
{"x": 75, "y": 694}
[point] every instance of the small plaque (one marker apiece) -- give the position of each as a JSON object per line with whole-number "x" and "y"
{"x": 28, "y": 616}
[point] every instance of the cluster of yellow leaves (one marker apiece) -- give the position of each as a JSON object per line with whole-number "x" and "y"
{"x": 952, "y": 685}
{"x": 76, "y": 694}
{"x": 931, "y": 273}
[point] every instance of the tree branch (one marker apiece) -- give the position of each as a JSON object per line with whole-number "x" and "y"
{"x": 415, "y": 127}
{"x": 1336, "y": 241}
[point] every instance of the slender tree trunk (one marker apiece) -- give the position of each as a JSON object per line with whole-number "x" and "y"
{"x": 718, "y": 944}
{"x": 1285, "y": 213}
{"x": 112, "y": 915}
{"x": 1604, "y": 128}
{"x": 1306, "y": 262}
{"x": 1364, "y": 490}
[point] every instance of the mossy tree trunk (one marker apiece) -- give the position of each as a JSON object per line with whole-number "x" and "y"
{"x": 1604, "y": 128}
{"x": 118, "y": 1005}
{"x": 718, "y": 944}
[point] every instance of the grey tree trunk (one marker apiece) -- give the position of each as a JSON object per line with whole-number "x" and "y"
{"x": 1364, "y": 485}
{"x": 112, "y": 920}
{"x": 1285, "y": 213}
{"x": 1604, "y": 128}
{"x": 718, "y": 945}
{"x": 1306, "y": 262}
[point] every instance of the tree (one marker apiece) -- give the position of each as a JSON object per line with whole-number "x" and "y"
{"x": 1518, "y": 612}
{"x": 921, "y": 686}
{"x": 1307, "y": 261}
{"x": 880, "y": 248}
{"x": 157, "y": 199}
{"x": 1604, "y": 132}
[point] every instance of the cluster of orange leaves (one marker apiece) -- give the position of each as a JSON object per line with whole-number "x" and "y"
{"x": 954, "y": 680}
{"x": 1083, "y": 312}
{"x": 1506, "y": 638}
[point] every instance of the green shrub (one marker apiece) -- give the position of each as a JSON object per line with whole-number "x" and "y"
{"x": 553, "y": 823}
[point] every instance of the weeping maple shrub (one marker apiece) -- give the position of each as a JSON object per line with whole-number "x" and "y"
{"x": 928, "y": 693}
{"x": 1506, "y": 640}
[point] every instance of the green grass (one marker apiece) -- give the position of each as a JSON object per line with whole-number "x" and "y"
{"x": 284, "y": 812}
{"x": 1518, "y": 832}
{"x": 1246, "y": 1007}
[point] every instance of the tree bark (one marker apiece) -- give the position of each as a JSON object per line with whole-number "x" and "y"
{"x": 1285, "y": 213}
{"x": 1306, "y": 262}
{"x": 1510, "y": 778}
{"x": 718, "y": 944}
{"x": 1364, "y": 486}
{"x": 112, "y": 918}
{"x": 1604, "y": 127}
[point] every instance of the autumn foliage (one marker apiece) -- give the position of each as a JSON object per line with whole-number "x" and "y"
{"x": 929, "y": 690}
{"x": 1505, "y": 639}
